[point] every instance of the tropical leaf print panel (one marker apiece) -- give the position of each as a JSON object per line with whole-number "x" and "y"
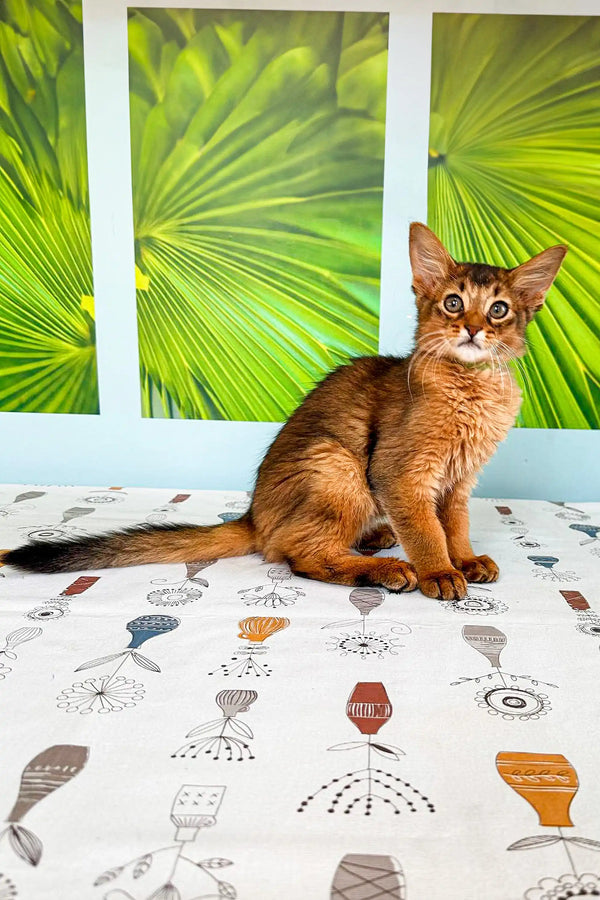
{"x": 514, "y": 168}
{"x": 257, "y": 157}
{"x": 47, "y": 341}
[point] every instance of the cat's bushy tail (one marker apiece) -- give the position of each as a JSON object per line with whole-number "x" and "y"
{"x": 136, "y": 546}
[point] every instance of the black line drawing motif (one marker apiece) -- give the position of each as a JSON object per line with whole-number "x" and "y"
{"x": 369, "y": 708}
{"x": 114, "y": 692}
{"x": 164, "y": 512}
{"x": 99, "y": 497}
{"x": 20, "y": 503}
{"x": 508, "y": 518}
{"x": 518, "y": 530}
{"x": 569, "y": 513}
{"x": 178, "y": 593}
{"x": 8, "y": 889}
{"x": 195, "y": 807}
{"x": 44, "y": 774}
{"x": 479, "y": 602}
{"x": 60, "y": 606}
{"x": 544, "y": 568}
{"x": 365, "y": 876}
{"x": 548, "y": 782}
{"x": 509, "y": 696}
{"x": 12, "y": 640}
{"x": 588, "y": 620}
{"x": 526, "y": 543}
{"x": 61, "y": 529}
{"x": 229, "y": 736}
{"x": 256, "y": 630}
{"x": 274, "y": 594}
{"x": 360, "y": 641}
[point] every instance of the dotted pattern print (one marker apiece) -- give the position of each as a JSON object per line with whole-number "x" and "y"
{"x": 369, "y": 708}
{"x": 379, "y": 638}
{"x": 255, "y": 630}
{"x": 297, "y": 739}
{"x": 225, "y": 737}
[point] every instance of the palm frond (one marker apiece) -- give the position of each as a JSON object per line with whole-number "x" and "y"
{"x": 257, "y": 145}
{"x": 513, "y": 169}
{"x": 47, "y": 338}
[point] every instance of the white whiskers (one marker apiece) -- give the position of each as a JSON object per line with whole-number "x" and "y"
{"x": 430, "y": 349}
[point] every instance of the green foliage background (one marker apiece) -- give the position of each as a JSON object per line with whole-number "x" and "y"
{"x": 47, "y": 342}
{"x": 257, "y": 160}
{"x": 514, "y": 168}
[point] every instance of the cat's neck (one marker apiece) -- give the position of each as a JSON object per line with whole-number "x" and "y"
{"x": 452, "y": 387}
{"x": 451, "y": 374}
{"x": 489, "y": 367}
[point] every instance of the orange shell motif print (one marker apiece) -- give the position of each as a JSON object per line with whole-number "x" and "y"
{"x": 549, "y": 783}
{"x": 255, "y": 630}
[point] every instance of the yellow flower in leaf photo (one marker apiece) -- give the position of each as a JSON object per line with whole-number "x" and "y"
{"x": 47, "y": 335}
{"x": 257, "y": 158}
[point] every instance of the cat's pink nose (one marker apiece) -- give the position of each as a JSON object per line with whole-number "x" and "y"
{"x": 472, "y": 330}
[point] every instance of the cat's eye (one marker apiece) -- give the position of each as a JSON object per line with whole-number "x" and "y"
{"x": 498, "y": 309}
{"x": 453, "y": 303}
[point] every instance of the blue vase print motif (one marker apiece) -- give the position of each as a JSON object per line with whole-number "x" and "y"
{"x": 114, "y": 692}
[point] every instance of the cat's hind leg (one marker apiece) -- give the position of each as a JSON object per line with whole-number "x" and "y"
{"x": 311, "y": 517}
{"x": 378, "y": 536}
{"x": 359, "y": 571}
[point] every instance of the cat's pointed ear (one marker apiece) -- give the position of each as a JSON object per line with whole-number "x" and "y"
{"x": 429, "y": 259}
{"x": 532, "y": 280}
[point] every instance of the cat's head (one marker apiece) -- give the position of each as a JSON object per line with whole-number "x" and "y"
{"x": 471, "y": 312}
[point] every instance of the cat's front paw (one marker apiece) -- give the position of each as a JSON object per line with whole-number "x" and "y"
{"x": 449, "y": 584}
{"x": 396, "y": 575}
{"x": 480, "y": 569}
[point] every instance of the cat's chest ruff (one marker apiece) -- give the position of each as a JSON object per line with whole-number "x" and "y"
{"x": 474, "y": 415}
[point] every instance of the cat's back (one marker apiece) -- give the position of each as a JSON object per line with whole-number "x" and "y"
{"x": 344, "y": 405}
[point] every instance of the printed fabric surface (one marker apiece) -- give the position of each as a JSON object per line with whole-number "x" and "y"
{"x": 226, "y": 729}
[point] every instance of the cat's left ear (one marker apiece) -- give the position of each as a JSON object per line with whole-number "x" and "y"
{"x": 532, "y": 280}
{"x": 430, "y": 261}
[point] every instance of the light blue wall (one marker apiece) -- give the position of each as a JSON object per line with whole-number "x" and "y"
{"x": 119, "y": 447}
{"x": 556, "y": 465}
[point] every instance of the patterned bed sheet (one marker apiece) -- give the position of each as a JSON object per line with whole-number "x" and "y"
{"x": 224, "y": 729}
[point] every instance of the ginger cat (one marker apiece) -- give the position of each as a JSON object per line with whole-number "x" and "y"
{"x": 383, "y": 450}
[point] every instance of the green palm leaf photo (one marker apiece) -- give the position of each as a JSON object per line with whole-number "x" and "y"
{"x": 47, "y": 338}
{"x": 513, "y": 169}
{"x": 257, "y": 143}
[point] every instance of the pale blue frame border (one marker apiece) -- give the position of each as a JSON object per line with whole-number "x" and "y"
{"x": 119, "y": 447}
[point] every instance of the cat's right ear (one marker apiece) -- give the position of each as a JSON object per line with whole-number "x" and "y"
{"x": 430, "y": 261}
